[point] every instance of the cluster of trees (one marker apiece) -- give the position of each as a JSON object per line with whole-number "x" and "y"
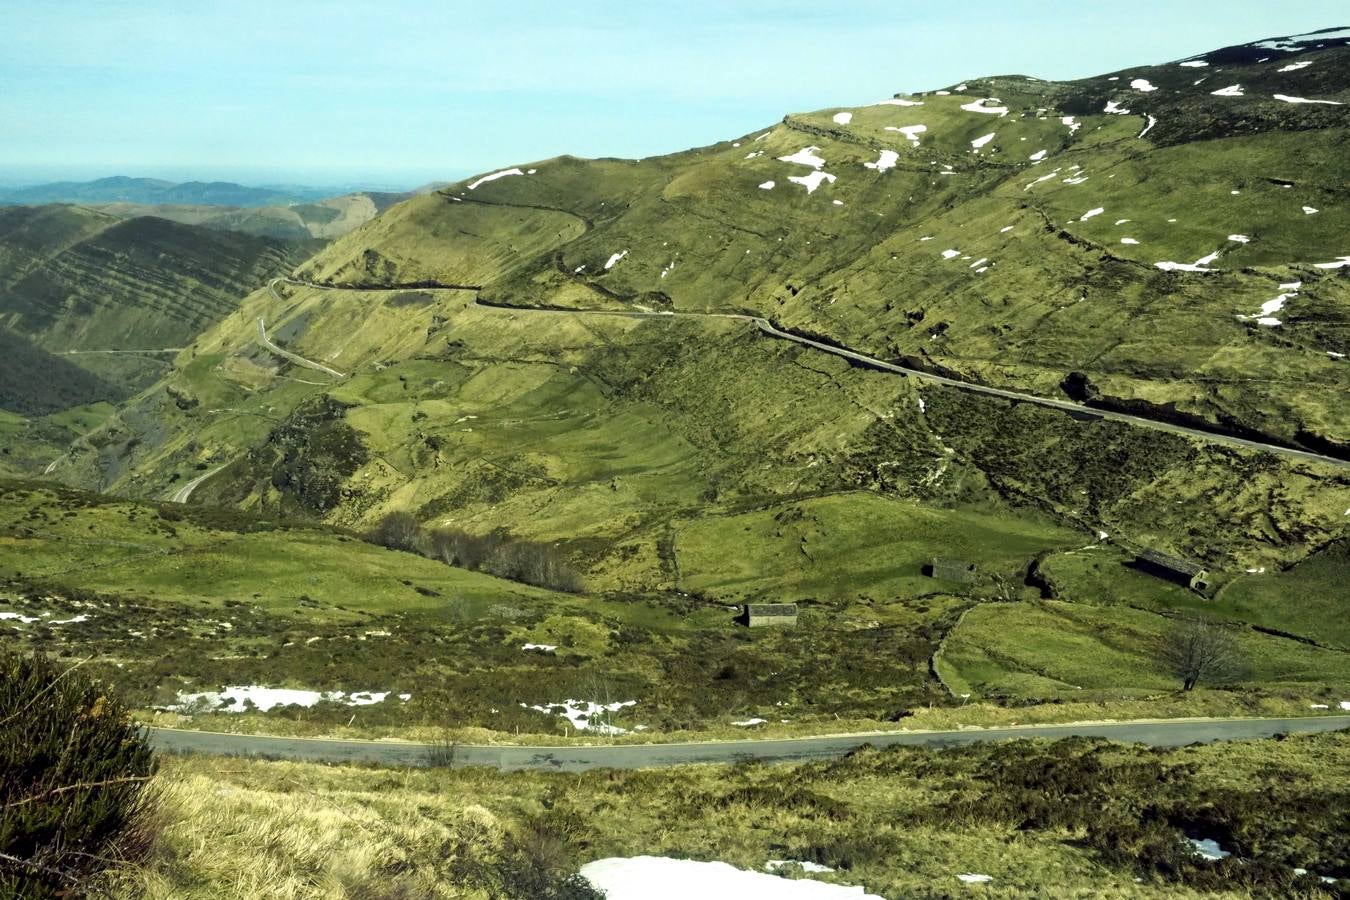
{"x": 496, "y": 553}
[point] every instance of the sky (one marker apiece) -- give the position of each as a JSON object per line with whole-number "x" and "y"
{"x": 397, "y": 93}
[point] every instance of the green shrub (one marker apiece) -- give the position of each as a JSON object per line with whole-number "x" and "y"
{"x": 74, "y": 780}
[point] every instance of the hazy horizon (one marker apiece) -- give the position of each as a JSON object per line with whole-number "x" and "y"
{"x": 338, "y": 95}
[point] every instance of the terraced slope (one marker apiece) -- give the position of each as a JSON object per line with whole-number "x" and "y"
{"x": 78, "y": 282}
{"x": 1132, "y": 239}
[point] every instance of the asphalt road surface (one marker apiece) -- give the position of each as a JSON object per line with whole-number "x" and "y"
{"x": 1173, "y": 733}
{"x": 185, "y": 492}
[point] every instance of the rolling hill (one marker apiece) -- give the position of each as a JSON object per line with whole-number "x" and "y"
{"x": 1167, "y": 239}
{"x": 124, "y": 189}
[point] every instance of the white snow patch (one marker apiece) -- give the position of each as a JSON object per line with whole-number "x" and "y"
{"x": 979, "y": 262}
{"x": 1073, "y": 126}
{"x": 1334, "y": 355}
{"x": 911, "y": 132}
{"x": 1318, "y": 706}
{"x": 1266, "y": 315}
{"x": 887, "y": 160}
{"x": 234, "y": 698}
{"x": 74, "y": 620}
{"x": 609, "y": 263}
{"x": 1128, "y": 241}
{"x": 1149, "y": 127}
{"x": 1233, "y": 90}
{"x": 1288, "y": 99}
{"x": 1079, "y": 180}
{"x": 1208, "y": 848}
{"x": 1193, "y": 64}
{"x": 812, "y": 181}
{"x": 1141, "y": 84}
{"x": 1200, "y": 265}
{"x": 950, "y": 254}
{"x": 1092, "y": 212}
{"x": 494, "y": 176}
{"x": 1042, "y": 178}
{"x": 662, "y": 878}
{"x": 1308, "y": 210}
{"x": 1339, "y": 263}
{"x": 806, "y": 157}
{"x": 1291, "y": 285}
{"x": 898, "y": 101}
{"x": 1294, "y": 67}
{"x": 1239, "y": 238}
{"x": 982, "y": 140}
{"x": 814, "y": 868}
{"x": 975, "y": 878}
{"x": 27, "y": 620}
{"x": 1345, "y": 704}
{"x": 767, "y": 185}
{"x": 843, "y": 118}
{"x": 1115, "y": 109}
{"x": 1005, "y": 229}
{"x": 542, "y": 648}
{"x": 746, "y": 723}
{"x": 1038, "y": 155}
{"x": 586, "y": 715}
{"x": 978, "y": 106}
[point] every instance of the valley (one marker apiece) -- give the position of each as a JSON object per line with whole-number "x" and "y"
{"x": 947, "y": 493}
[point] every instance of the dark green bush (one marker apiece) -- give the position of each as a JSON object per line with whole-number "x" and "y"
{"x": 74, "y": 780}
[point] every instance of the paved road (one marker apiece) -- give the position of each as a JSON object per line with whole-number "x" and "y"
{"x": 1080, "y": 410}
{"x": 183, "y": 493}
{"x": 1069, "y": 406}
{"x": 642, "y": 756}
{"x": 293, "y": 357}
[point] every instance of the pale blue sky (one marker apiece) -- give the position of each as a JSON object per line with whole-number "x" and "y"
{"x": 401, "y": 92}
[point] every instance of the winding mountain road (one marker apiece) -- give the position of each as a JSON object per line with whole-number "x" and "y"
{"x": 506, "y": 758}
{"x": 1078, "y": 410}
{"x": 183, "y": 494}
{"x": 293, "y": 357}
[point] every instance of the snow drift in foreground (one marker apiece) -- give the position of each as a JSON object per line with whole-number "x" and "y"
{"x": 660, "y": 878}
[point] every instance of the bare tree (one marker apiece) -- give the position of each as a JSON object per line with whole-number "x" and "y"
{"x": 1196, "y": 649}
{"x": 398, "y": 531}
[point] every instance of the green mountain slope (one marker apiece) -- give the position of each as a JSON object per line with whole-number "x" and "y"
{"x": 80, "y": 283}
{"x": 325, "y": 219}
{"x": 1016, "y": 240}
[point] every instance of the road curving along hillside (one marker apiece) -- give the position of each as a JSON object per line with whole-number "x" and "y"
{"x": 506, "y": 758}
{"x": 767, "y": 327}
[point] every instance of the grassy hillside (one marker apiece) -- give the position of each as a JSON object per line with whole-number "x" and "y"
{"x": 1076, "y": 818}
{"x": 681, "y": 464}
{"x": 318, "y": 219}
{"x": 75, "y": 284}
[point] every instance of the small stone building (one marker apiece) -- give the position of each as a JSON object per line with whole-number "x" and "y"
{"x": 753, "y": 615}
{"x": 1174, "y": 568}
{"x": 949, "y": 569}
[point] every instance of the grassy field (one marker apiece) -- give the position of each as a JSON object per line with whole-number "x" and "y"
{"x": 852, "y": 545}
{"x": 167, "y": 598}
{"x": 1076, "y": 818}
{"x": 1042, "y": 650}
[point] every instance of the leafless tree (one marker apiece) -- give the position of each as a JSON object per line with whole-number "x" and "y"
{"x": 1196, "y": 649}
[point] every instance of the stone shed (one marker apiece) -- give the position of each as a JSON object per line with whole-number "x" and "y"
{"x": 950, "y": 569}
{"x": 1173, "y": 568}
{"x": 754, "y": 615}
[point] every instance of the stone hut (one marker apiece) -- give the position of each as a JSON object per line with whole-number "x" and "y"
{"x": 753, "y": 615}
{"x": 950, "y": 569}
{"x": 1174, "y": 568}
